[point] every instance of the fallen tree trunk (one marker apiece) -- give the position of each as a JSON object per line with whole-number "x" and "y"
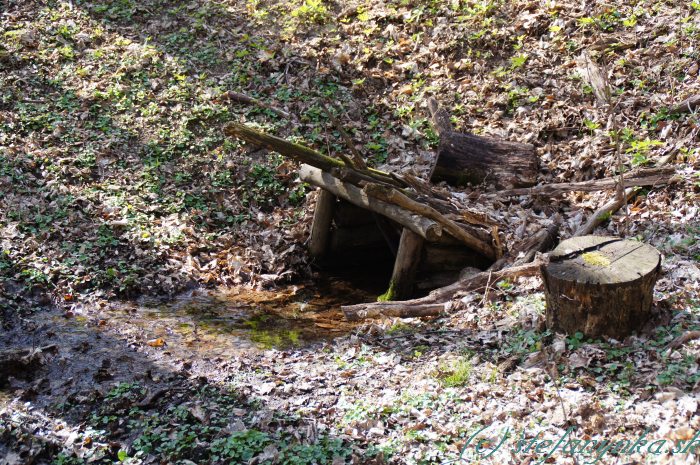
{"x": 435, "y": 302}
{"x": 637, "y": 178}
{"x": 464, "y": 158}
{"x": 424, "y": 227}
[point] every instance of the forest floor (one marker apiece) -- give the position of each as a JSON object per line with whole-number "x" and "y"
{"x": 141, "y": 253}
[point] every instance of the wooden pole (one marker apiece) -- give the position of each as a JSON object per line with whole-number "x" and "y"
{"x": 405, "y": 266}
{"x": 424, "y": 227}
{"x": 321, "y": 226}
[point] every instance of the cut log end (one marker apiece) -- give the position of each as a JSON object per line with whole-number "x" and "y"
{"x": 600, "y": 286}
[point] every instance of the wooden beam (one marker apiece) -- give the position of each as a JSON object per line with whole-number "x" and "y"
{"x": 424, "y": 227}
{"x": 405, "y": 266}
{"x": 321, "y": 226}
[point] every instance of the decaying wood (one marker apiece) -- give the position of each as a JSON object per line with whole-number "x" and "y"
{"x": 464, "y": 158}
{"x": 440, "y": 118}
{"x": 397, "y": 198}
{"x": 424, "y": 227}
{"x": 436, "y": 302}
{"x": 636, "y": 178}
{"x": 600, "y": 286}
{"x": 321, "y": 225}
{"x": 405, "y": 266}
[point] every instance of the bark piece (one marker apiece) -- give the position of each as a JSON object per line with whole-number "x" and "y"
{"x": 600, "y": 286}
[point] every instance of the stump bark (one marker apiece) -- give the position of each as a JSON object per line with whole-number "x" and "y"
{"x": 600, "y": 286}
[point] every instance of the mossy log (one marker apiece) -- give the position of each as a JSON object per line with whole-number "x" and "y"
{"x": 600, "y": 286}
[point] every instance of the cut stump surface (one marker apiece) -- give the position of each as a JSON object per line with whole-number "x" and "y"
{"x": 600, "y": 286}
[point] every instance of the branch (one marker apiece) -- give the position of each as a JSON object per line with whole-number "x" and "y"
{"x": 300, "y": 152}
{"x": 395, "y": 197}
{"x": 637, "y": 178}
{"x": 435, "y": 302}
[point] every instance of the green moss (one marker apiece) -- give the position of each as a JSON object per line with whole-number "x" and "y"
{"x": 595, "y": 259}
{"x": 390, "y": 293}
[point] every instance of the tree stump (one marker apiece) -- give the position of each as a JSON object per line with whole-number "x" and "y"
{"x": 600, "y": 286}
{"x": 464, "y": 158}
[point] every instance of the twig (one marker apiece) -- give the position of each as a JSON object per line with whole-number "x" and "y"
{"x": 688, "y": 105}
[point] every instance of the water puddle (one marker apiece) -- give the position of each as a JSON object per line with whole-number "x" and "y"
{"x": 225, "y": 320}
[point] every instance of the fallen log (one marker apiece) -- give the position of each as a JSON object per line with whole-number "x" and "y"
{"x": 395, "y": 197}
{"x": 303, "y": 154}
{"x": 424, "y": 227}
{"x": 464, "y": 158}
{"x": 638, "y": 178}
{"x": 436, "y": 302}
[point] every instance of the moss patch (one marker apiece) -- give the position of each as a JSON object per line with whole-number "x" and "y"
{"x": 595, "y": 259}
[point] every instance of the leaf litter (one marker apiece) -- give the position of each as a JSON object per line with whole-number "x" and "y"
{"x": 117, "y": 182}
